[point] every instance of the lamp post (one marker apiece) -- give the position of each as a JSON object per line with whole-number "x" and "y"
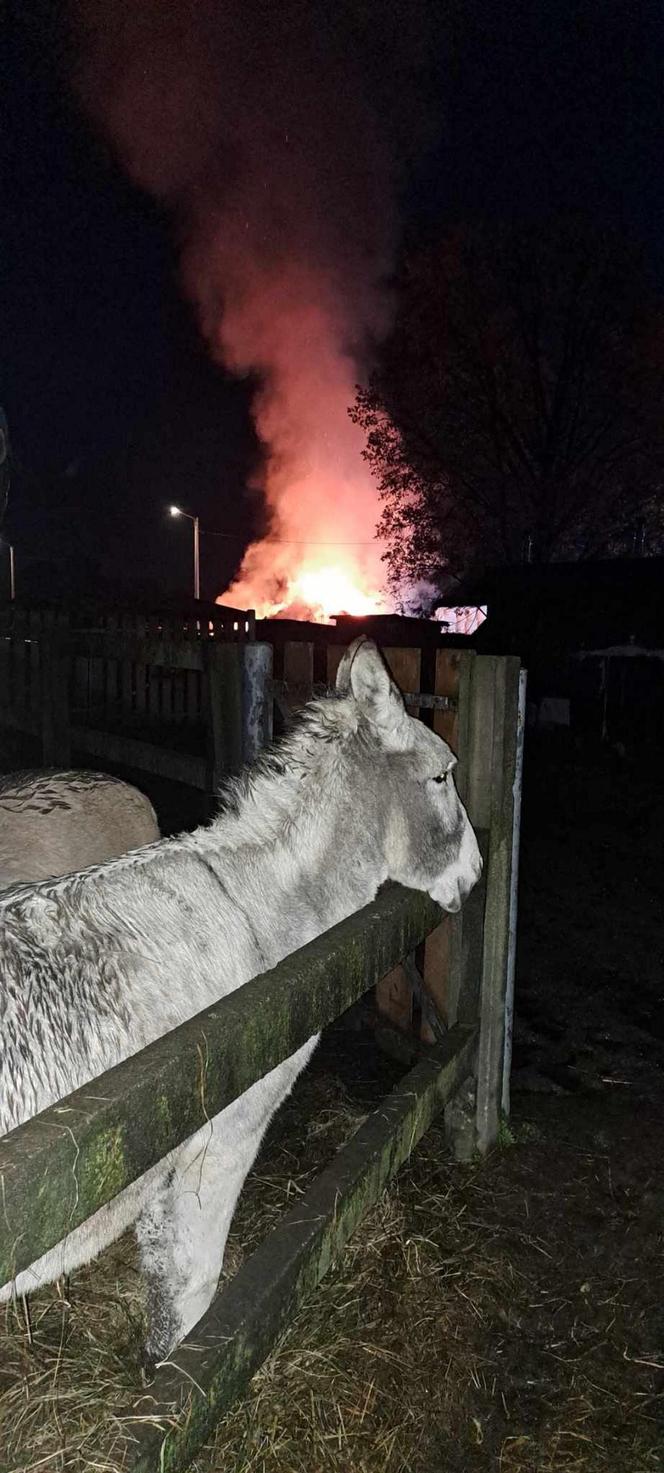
{"x": 176, "y": 511}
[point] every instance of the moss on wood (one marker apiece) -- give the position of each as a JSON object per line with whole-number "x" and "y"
{"x": 57, "y": 1169}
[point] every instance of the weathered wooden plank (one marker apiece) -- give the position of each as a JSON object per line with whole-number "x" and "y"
{"x": 514, "y": 892}
{"x": 405, "y": 666}
{"x": 179, "y": 696}
{"x": 111, "y": 674}
{"x": 445, "y": 955}
{"x": 154, "y": 694}
{"x": 460, "y": 989}
{"x": 477, "y": 742}
{"x": 465, "y": 940}
{"x": 54, "y": 701}
{"x": 449, "y": 663}
{"x": 394, "y": 999}
{"x": 112, "y": 746}
{"x": 394, "y": 994}
{"x": 58, "y": 1168}
{"x": 298, "y": 671}
{"x": 257, "y": 703}
{"x": 192, "y": 709}
{"x": 39, "y": 626}
{"x": 175, "y": 654}
{"x": 436, "y": 974}
{"x": 222, "y": 690}
{"x": 464, "y": 716}
{"x": 334, "y": 654}
{"x": 495, "y": 947}
{"x": 141, "y": 665}
{"x": 5, "y": 671}
{"x": 19, "y": 658}
{"x": 166, "y": 696}
{"x": 205, "y": 1376}
{"x": 127, "y": 678}
{"x": 18, "y": 718}
{"x": 96, "y": 682}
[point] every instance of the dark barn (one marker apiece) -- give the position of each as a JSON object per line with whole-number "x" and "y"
{"x": 591, "y": 635}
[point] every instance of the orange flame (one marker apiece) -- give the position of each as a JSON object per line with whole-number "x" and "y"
{"x": 318, "y": 593}
{"x": 333, "y": 591}
{"x": 313, "y": 590}
{"x": 310, "y": 584}
{"x": 321, "y": 556}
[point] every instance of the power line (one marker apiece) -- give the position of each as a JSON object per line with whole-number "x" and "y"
{"x": 283, "y": 541}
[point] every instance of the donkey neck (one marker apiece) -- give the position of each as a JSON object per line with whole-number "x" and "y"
{"x": 296, "y": 880}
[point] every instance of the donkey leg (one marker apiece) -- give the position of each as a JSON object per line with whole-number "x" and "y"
{"x": 183, "y": 1229}
{"x": 182, "y": 1237}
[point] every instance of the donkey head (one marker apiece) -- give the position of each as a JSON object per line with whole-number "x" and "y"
{"x": 429, "y": 842}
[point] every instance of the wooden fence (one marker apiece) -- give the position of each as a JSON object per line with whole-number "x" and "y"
{"x": 185, "y": 699}
{"x": 443, "y": 981}
{"x": 171, "y": 697}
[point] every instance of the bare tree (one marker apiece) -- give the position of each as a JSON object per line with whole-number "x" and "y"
{"x": 517, "y": 408}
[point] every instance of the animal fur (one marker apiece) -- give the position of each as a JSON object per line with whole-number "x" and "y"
{"x": 95, "y": 966}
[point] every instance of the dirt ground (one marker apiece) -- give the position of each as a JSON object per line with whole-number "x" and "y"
{"x": 504, "y": 1317}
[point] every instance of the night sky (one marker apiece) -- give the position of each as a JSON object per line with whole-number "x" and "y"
{"x": 114, "y": 406}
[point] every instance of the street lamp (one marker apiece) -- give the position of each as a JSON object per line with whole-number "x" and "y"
{"x": 176, "y": 511}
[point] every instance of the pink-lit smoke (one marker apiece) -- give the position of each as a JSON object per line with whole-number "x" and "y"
{"x": 252, "y": 123}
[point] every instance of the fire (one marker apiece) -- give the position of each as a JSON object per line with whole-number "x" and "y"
{"x": 281, "y": 582}
{"x": 230, "y": 116}
{"x": 320, "y": 555}
{"x": 334, "y": 592}
{"x": 328, "y": 591}
{"x": 284, "y": 581}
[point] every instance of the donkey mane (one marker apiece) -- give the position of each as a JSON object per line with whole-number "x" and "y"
{"x": 267, "y": 800}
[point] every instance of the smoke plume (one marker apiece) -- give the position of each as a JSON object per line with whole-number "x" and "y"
{"x": 263, "y": 127}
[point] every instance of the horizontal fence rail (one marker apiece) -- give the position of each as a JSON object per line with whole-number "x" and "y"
{"x": 59, "y": 1167}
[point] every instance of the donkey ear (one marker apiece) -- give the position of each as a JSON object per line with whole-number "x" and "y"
{"x": 364, "y": 675}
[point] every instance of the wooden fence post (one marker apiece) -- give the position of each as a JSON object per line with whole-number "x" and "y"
{"x": 298, "y": 671}
{"x": 256, "y": 699}
{"x": 442, "y": 947}
{"x": 516, "y": 837}
{"x": 394, "y": 992}
{"x": 222, "y": 701}
{"x": 54, "y": 666}
{"x": 479, "y": 947}
{"x": 492, "y": 794}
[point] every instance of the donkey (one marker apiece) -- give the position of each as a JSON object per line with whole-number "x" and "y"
{"x": 54, "y": 822}
{"x": 95, "y": 966}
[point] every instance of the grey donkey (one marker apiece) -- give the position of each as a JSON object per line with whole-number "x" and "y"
{"x": 95, "y": 966}
{"x": 54, "y": 822}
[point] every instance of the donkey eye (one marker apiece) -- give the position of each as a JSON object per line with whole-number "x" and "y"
{"x": 441, "y": 778}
